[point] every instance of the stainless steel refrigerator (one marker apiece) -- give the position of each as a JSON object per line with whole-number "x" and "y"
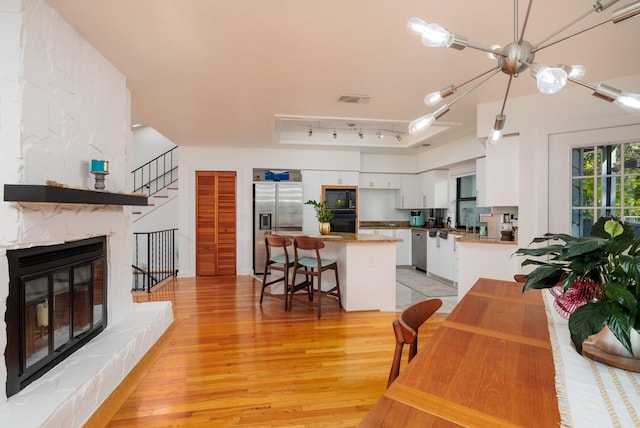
{"x": 277, "y": 206}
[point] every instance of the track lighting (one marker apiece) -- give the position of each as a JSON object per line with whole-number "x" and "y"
{"x": 360, "y": 134}
{"x": 398, "y": 137}
{"x": 310, "y": 132}
{"x": 379, "y": 134}
{"x": 515, "y": 58}
{"x": 335, "y": 135}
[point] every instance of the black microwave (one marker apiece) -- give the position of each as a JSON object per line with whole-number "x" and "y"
{"x": 341, "y": 198}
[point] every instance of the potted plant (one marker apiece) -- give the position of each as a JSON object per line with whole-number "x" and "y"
{"x": 324, "y": 214}
{"x": 595, "y": 280}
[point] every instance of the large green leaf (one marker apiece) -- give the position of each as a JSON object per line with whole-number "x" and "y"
{"x": 554, "y": 236}
{"x": 583, "y": 246}
{"x": 622, "y": 296}
{"x": 542, "y": 251}
{"x": 587, "y": 320}
{"x": 630, "y": 266}
{"x": 613, "y": 228}
{"x": 620, "y": 325}
{"x": 544, "y": 276}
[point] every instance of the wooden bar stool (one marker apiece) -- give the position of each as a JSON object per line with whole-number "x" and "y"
{"x": 280, "y": 262}
{"x": 312, "y": 265}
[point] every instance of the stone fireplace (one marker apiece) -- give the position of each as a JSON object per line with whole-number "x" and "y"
{"x": 63, "y": 105}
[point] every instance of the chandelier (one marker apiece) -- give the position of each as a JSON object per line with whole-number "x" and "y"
{"x": 517, "y": 57}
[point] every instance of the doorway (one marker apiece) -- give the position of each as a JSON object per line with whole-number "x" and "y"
{"x": 215, "y": 223}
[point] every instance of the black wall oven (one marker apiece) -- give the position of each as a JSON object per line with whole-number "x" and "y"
{"x": 344, "y": 221}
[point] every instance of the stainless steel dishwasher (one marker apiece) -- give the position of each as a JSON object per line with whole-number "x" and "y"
{"x": 419, "y": 249}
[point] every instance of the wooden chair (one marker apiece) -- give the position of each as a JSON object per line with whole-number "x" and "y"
{"x": 405, "y": 329}
{"x": 281, "y": 262}
{"x": 312, "y": 266}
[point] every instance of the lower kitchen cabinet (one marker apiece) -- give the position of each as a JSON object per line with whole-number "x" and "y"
{"x": 403, "y": 249}
{"x": 442, "y": 257}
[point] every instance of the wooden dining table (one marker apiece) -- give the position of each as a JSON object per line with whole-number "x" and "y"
{"x": 490, "y": 364}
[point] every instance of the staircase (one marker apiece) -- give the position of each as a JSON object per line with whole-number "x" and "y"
{"x": 155, "y": 254}
{"x": 156, "y": 201}
{"x": 157, "y": 178}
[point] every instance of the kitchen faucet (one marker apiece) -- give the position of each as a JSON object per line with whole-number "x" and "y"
{"x": 465, "y": 218}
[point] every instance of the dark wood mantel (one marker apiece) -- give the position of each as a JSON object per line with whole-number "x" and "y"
{"x": 66, "y": 195}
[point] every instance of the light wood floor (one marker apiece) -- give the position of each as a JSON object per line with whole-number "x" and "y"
{"x": 229, "y": 361}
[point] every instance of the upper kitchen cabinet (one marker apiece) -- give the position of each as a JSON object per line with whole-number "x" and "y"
{"x": 379, "y": 181}
{"x": 340, "y": 178}
{"x": 498, "y": 181}
{"x": 406, "y": 196}
{"x": 432, "y": 189}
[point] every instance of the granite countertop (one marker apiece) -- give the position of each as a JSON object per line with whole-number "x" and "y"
{"x": 344, "y": 237}
{"x": 464, "y": 235}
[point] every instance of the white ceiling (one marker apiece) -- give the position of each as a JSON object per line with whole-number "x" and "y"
{"x": 230, "y": 72}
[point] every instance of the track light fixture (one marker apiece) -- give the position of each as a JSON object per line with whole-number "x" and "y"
{"x": 518, "y": 56}
{"x": 379, "y": 134}
{"x": 398, "y": 137}
{"x": 335, "y": 134}
{"x": 360, "y": 134}
{"x": 310, "y": 132}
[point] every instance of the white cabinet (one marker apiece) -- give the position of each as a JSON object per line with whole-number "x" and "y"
{"x": 311, "y": 190}
{"x": 501, "y": 173}
{"x": 481, "y": 182}
{"x": 379, "y": 181}
{"x": 442, "y": 257}
{"x": 432, "y": 189}
{"x": 340, "y": 178}
{"x": 405, "y": 197}
{"x": 403, "y": 249}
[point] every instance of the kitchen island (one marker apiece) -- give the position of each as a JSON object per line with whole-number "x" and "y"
{"x": 366, "y": 268}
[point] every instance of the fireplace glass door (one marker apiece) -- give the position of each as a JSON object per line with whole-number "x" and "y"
{"x": 55, "y": 306}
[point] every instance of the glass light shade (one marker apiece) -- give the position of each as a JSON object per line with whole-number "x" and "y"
{"x": 435, "y": 36}
{"x": 577, "y": 71}
{"x": 421, "y": 123}
{"x": 629, "y": 102}
{"x": 495, "y": 136}
{"x": 416, "y": 26}
{"x": 551, "y": 79}
{"x": 432, "y": 99}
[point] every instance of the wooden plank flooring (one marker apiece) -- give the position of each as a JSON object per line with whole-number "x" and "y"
{"x": 229, "y": 361}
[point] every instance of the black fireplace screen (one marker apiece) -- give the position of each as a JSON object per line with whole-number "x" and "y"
{"x": 55, "y": 306}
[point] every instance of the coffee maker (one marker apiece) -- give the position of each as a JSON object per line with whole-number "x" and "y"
{"x": 416, "y": 219}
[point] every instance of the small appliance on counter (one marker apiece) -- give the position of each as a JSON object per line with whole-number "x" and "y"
{"x": 493, "y": 224}
{"x": 416, "y": 219}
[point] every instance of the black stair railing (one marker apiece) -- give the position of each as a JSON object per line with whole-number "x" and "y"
{"x": 155, "y": 258}
{"x": 156, "y": 174}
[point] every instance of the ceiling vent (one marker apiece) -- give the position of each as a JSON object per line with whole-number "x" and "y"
{"x": 355, "y": 99}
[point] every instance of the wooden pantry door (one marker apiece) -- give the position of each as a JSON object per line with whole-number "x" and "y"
{"x": 215, "y": 223}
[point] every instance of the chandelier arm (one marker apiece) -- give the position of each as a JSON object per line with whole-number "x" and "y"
{"x": 524, "y": 25}
{"x": 482, "y": 48}
{"x": 496, "y": 71}
{"x": 561, "y": 29}
{"x": 476, "y": 77}
{"x": 581, "y": 83}
{"x": 506, "y": 94}
{"x": 539, "y": 46}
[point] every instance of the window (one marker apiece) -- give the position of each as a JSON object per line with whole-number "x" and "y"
{"x": 467, "y": 213}
{"x": 605, "y": 180}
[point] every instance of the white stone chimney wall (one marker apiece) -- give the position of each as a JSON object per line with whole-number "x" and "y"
{"x": 61, "y": 105}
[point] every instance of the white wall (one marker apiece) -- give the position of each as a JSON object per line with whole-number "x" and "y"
{"x": 147, "y": 145}
{"x": 405, "y": 164}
